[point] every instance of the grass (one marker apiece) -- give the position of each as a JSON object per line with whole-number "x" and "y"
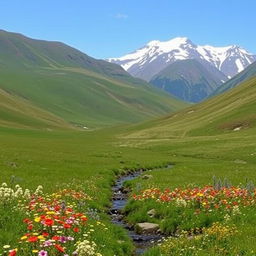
{"x": 91, "y": 99}
{"x": 87, "y": 160}
{"x": 90, "y": 159}
{"x": 197, "y": 148}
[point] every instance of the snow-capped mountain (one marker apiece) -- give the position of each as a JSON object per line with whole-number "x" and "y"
{"x": 156, "y": 55}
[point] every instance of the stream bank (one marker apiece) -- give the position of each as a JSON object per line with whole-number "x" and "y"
{"x": 120, "y": 196}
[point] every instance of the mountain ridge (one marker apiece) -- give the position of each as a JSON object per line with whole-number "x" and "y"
{"x": 156, "y": 55}
{"x": 247, "y": 73}
{"x": 188, "y": 80}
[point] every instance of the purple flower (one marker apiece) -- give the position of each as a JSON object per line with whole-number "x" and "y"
{"x": 47, "y": 243}
{"x": 43, "y": 253}
{"x": 69, "y": 221}
{"x": 63, "y": 239}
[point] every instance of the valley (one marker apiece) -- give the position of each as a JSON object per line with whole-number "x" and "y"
{"x": 96, "y": 161}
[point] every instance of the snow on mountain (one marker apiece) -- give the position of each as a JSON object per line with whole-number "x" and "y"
{"x": 156, "y": 55}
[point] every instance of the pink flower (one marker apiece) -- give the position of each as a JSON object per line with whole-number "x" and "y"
{"x": 43, "y": 253}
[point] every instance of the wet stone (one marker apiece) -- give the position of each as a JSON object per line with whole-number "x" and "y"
{"x": 147, "y": 227}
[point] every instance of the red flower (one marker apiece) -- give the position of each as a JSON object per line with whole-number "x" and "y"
{"x": 57, "y": 208}
{"x": 30, "y": 227}
{"x": 12, "y": 253}
{"x": 32, "y": 239}
{"x": 48, "y": 222}
{"x": 84, "y": 218}
{"x": 76, "y": 229}
{"x": 56, "y": 238}
{"x": 59, "y": 248}
{"x": 67, "y": 225}
{"x": 45, "y": 234}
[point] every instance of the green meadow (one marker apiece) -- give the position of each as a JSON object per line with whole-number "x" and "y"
{"x": 91, "y": 159}
{"x": 76, "y": 123}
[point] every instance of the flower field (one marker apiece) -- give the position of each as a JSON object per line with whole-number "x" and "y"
{"x": 199, "y": 220}
{"x": 53, "y": 224}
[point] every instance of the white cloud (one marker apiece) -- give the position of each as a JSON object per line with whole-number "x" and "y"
{"x": 121, "y": 16}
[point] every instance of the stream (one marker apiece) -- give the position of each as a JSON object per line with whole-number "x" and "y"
{"x": 119, "y": 200}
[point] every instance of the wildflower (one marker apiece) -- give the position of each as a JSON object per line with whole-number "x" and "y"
{"x": 48, "y": 222}
{"x": 37, "y": 219}
{"x": 236, "y": 210}
{"x": 67, "y": 225}
{"x": 59, "y": 248}
{"x": 76, "y": 230}
{"x": 43, "y": 253}
{"x": 45, "y": 234}
{"x": 32, "y": 239}
{"x": 13, "y": 252}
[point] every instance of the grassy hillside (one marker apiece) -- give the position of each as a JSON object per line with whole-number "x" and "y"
{"x": 232, "y": 112}
{"x": 75, "y": 87}
{"x": 188, "y": 80}
{"x": 18, "y": 112}
{"x": 20, "y": 51}
{"x": 85, "y": 98}
{"x": 249, "y": 72}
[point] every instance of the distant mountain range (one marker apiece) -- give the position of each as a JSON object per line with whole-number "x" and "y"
{"x": 156, "y": 55}
{"x": 49, "y": 84}
{"x": 153, "y": 63}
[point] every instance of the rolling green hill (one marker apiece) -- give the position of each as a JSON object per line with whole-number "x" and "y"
{"x": 230, "y": 112}
{"x": 247, "y": 73}
{"x": 18, "y": 112}
{"x": 83, "y": 91}
{"x": 188, "y": 80}
{"x": 22, "y": 52}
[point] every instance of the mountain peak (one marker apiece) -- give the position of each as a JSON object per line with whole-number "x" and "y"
{"x": 180, "y": 40}
{"x": 153, "y": 43}
{"x": 156, "y": 55}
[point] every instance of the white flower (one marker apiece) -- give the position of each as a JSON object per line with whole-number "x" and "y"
{"x": 181, "y": 202}
{"x": 4, "y": 185}
{"x": 236, "y": 210}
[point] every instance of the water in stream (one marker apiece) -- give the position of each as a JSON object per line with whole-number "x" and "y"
{"x": 120, "y": 198}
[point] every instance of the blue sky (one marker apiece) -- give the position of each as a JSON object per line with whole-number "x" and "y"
{"x": 112, "y": 28}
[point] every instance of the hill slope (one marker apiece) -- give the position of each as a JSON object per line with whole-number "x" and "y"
{"x": 232, "y": 111}
{"x": 18, "y": 112}
{"x": 75, "y": 87}
{"x": 188, "y": 80}
{"x": 249, "y": 72}
{"x": 20, "y": 51}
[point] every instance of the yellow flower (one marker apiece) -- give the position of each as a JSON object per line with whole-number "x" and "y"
{"x": 50, "y": 213}
{"x": 23, "y": 238}
{"x": 41, "y": 237}
{"x": 37, "y": 219}
{"x": 35, "y": 251}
